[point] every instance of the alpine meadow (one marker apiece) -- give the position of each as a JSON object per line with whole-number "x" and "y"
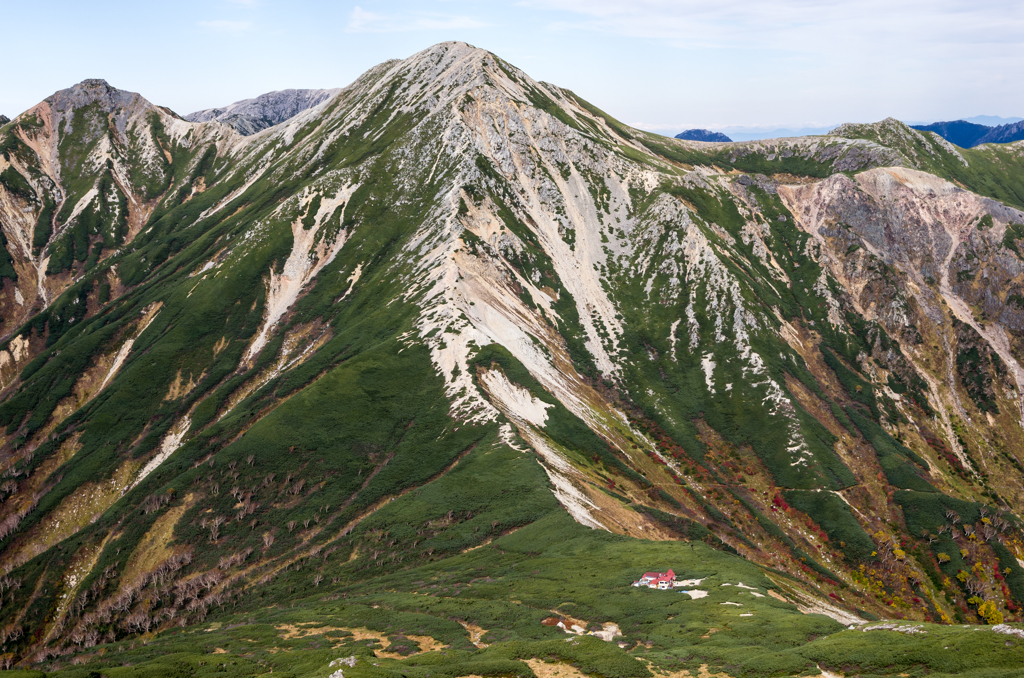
{"x": 416, "y": 378}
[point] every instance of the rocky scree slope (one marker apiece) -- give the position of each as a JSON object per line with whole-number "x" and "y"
{"x": 451, "y": 303}
{"x": 250, "y": 116}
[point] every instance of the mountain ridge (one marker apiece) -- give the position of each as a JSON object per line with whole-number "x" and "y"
{"x": 968, "y": 135}
{"x": 249, "y": 116}
{"x": 406, "y": 334}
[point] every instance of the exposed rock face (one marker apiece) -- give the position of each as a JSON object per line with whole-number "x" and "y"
{"x": 954, "y": 273}
{"x": 702, "y": 135}
{"x": 250, "y": 116}
{"x": 72, "y": 205}
{"x": 4, "y": 120}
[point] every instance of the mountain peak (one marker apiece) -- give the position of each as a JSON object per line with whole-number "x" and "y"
{"x": 855, "y": 130}
{"x": 250, "y": 116}
{"x": 95, "y": 91}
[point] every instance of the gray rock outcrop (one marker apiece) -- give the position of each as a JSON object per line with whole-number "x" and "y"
{"x": 250, "y": 116}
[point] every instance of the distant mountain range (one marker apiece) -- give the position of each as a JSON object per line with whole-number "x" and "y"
{"x": 968, "y": 134}
{"x": 702, "y": 135}
{"x": 991, "y": 120}
{"x": 249, "y": 116}
{"x": 737, "y": 133}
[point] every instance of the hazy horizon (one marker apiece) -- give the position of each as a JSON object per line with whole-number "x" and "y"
{"x": 658, "y": 65}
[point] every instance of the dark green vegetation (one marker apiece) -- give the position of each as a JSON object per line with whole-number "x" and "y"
{"x": 276, "y": 403}
{"x": 552, "y": 567}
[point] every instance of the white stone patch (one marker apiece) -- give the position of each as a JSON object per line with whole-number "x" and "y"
{"x": 899, "y": 628}
{"x": 515, "y": 398}
{"x": 308, "y": 257}
{"x": 1007, "y": 630}
{"x": 353, "y": 279}
{"x": 149, "y": 313}
{"x": 559, "y": 471}
{"x": 696, "y": 594}
{"x": 708, "y": 365}
{"x": 82, "y": 203}
{"x": 171, "y": 442}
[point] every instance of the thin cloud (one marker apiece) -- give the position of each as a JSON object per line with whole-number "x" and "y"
{"x": 362, "y": 21}
{"x": 800, "y": 25}
{"x": 223, "y": 26}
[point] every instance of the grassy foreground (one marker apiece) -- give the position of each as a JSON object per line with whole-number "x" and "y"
{"x": 480, "y": 613}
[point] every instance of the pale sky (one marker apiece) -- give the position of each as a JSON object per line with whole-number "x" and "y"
{"x": 659, "y": 65}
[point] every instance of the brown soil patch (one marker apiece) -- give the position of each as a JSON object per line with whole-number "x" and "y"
{"x": 476, "y": 633}
{"x": 426, "y": 643}
{"x": 778, "y": 596}
{"x": 570, "y": 621}
{"x": 485, "y": 542}
{"x": 669, "y": 674}
{"x": 704, "y": 673}
{"x": 153, "y": 548}
{"x": 546, "y": 670}
{"x": 710, "y": 631}
{"x": 179, "y": 387}
{"x": 292, "y": 631}
{"x": 75, "y": 512}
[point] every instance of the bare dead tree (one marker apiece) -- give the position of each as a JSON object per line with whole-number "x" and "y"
{"x": 214, "y": 527}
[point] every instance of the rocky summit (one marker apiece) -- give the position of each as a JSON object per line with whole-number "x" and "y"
{"x": 250, "y": 116}
{"x": 449, "y": 372}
